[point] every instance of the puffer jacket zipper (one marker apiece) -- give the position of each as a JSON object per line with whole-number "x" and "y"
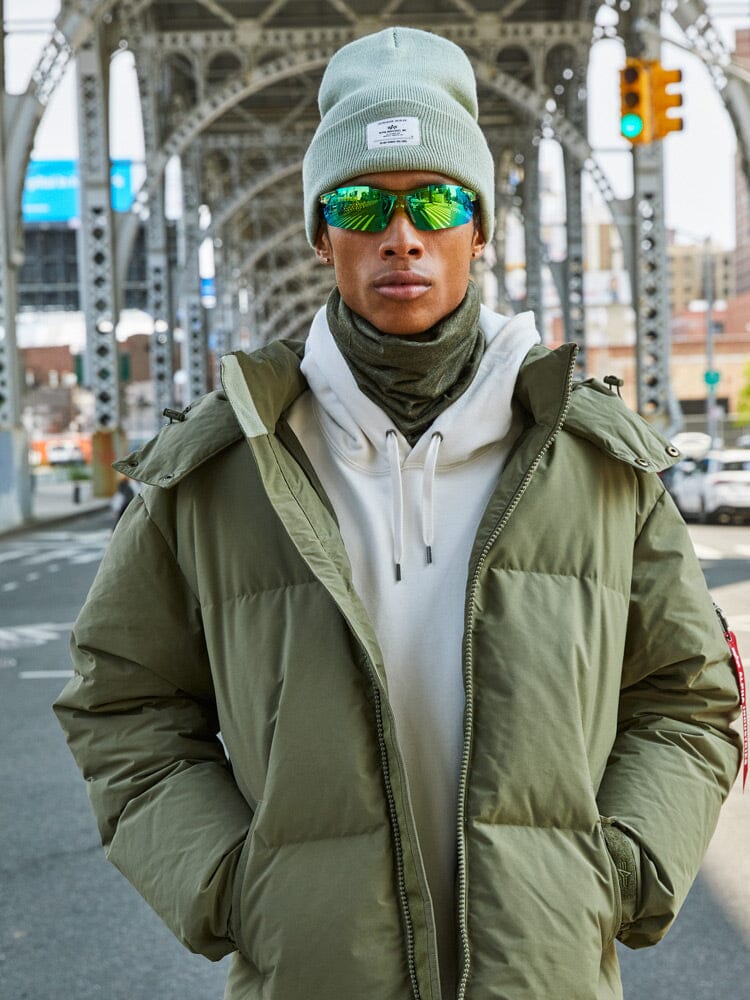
{"x": 392, "y": 809}
{"x": 469, "y": 678}
{"x": 403, "y": 895}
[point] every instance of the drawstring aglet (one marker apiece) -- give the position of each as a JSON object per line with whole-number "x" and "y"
{"x": 429, "y": 555}
{"x": 398, "y": 572}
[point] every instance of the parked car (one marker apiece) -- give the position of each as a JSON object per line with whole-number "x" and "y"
{"x": 714, "y": 488}
{"x": 65, "y": 453}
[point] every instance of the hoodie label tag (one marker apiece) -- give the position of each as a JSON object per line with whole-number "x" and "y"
{"x": 393, "y": 132}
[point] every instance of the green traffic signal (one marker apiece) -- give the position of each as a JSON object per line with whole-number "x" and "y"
{"x": 631, "y": 126}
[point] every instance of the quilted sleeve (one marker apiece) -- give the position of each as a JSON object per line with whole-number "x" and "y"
{"x": 141, "y": 722}
{"x": 675, "y": 755}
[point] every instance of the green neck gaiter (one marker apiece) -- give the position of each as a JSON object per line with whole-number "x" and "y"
{"x": 415, "y": 378}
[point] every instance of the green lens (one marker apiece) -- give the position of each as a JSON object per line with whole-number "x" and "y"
{"x": 365, "y": 208}
{"x": 369, "y": 209}
{"x": 440, "y": 206}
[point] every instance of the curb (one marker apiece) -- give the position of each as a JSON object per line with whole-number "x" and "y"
{"x": 34, "y": 523}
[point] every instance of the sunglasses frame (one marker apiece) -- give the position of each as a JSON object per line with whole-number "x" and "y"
{"x": 400, "y": 198}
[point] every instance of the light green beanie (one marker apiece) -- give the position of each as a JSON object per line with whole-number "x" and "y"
{"x": 401, "y": 99}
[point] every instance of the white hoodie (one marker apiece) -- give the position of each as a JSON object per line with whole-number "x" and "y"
{"x": 396, "y": 505}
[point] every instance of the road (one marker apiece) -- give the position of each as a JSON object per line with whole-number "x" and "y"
{"x": 71, "y": 928}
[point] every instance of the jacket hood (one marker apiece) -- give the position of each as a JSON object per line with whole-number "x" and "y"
{"x": 594, "y": 411}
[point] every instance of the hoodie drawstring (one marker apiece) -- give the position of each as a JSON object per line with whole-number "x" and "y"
{"x": 397, "y": 496}
{"x": 397, "y": 500}
{"x": 428, "y": 484}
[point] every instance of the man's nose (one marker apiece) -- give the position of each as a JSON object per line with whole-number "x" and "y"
{"x": 401, "y": 238}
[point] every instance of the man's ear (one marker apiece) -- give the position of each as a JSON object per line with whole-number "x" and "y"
{"x": 323, "y": 249}
{"x": 478, "y": 242}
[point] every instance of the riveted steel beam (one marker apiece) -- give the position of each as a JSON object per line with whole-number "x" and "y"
{"x": 307, "y": 299}
{"x": 10, "y": 384}
{"x": 533, "y": 246}
{"x": 157, "y": 257}
{"x": 191, "y": 308}
{"x": 694, "y": 17}
{"x": 270, "y": 243}
{"x": 279, "y": 280}
{"x": 220, "y": 318}
{"x": 96, "y": 248}
{"x": 232, "y": 206}
{"x": 648, "y": 263}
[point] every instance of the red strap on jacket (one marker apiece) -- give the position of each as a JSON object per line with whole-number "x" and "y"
{"x": 737, "y": 660}
{"x": 734, "y": 649}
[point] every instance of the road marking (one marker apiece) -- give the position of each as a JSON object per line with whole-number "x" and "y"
{"x": 10, "y": 585}
{"x": 87, "y": 557}
{"x": 33, "y": 635}
{"x": 706, "y": 552}
{"x": 12, "y": 554}
{"x": 57, "y": 553}
{"x": 32, "y": 576}
{"x": 34, "y": 675}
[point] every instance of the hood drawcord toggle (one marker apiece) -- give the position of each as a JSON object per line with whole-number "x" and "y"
{"x": 397, "y": 500}
{"x": 397, "y": 497}
{"x": 428, "y": 484}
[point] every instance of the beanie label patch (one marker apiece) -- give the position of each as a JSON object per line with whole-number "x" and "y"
{"x": 393, "y": 132}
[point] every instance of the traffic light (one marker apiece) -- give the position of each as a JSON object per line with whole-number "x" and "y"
{"x": 636, "y": 121}
{"x": 662, "y": 100}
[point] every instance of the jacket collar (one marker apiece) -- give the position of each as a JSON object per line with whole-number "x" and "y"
{"x": 595, "y": 413}
{"x": 259, "y": 387}
{"x": 262, "y": 385}
{"x": 542, "y": 382}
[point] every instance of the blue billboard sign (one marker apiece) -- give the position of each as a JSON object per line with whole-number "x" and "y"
{"x": 208, "y": 291}
{"x": 51, "y": 190}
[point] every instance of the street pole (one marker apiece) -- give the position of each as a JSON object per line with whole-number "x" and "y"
{"x": 708, "y": 292}
{"x": 15, "y": 480}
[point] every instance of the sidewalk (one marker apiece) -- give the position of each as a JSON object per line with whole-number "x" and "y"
{"x": 55, "y": 498}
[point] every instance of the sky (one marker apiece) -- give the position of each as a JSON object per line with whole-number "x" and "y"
{"x": 699, "y": 162}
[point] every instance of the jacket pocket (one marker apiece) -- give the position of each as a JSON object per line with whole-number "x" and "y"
{"x": 235, "y": 930}
{"x": 624, "y": 856}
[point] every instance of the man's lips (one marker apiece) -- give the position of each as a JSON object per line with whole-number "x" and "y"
{"x": 402, "y": 285}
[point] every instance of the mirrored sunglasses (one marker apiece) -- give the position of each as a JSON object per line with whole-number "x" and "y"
{"x": 369, "y": 209}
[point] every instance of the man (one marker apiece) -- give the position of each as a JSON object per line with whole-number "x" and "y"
{"x": 473, "y": 698}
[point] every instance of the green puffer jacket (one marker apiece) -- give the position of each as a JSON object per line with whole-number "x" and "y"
{"x": 598, "y": 698}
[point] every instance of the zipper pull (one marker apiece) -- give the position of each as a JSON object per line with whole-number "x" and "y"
{"x": 740, "y": 671}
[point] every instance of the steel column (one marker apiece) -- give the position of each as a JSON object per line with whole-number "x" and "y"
{"x": 503, "y": 200}
{"x": 220, "y": 317}
{"x": 15, "y": 497}
{"x": 10, "y": 377}
{"x": 533, "y": 250}
{"x": 574, "y": 308}
{"x": 96, "y": 260}
{"x": 191, "y": 308}
{"x": 157, "y": 259}
{"x": 648, "y": 262}
{"x": 650, "y": 288}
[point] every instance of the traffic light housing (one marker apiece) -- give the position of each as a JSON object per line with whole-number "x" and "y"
{"x": 663, "y": 100}
{"x": 636, "y": 123}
